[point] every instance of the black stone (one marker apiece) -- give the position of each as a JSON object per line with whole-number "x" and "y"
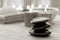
{"x": 40, "y": 27}
{"x": 40, "y": 24}
{"x": 39, "y": 20}
{"x": 42, "y": 34}
{"x": 40, "y": 31}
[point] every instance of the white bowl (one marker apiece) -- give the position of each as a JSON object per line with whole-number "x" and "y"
{"x": 50, "y": 10}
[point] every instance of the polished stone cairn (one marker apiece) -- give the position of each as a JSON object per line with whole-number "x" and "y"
{"x": 39, "y": 28}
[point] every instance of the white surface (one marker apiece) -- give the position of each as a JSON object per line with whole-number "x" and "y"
{"x": 18, "y": 31}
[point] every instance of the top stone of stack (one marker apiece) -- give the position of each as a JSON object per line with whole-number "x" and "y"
{"x": 39, "y": 20}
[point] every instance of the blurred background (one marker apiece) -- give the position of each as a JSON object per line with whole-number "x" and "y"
{"x": 25, "y": 3}
{"x": 54, "y": 3}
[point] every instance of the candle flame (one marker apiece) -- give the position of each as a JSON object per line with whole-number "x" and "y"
{"x": 28, "y": 6}
{"x": 46, "y": 8}
{"x": 13, "y": 6}
{"x": 19, "y": 7}
{"x": 32, "y": 6}
{"x": 39, "y": 6}
{"x": 30, "y": 10}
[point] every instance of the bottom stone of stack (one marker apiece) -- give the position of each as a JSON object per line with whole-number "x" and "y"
{"x": 40, "y": 34}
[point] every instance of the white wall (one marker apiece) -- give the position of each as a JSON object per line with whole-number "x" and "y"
{"x": 11, "y": 2}
{"x": 1, "y": 3}
{"x": 45, "y": 2}
{"x": 54, "y": 3}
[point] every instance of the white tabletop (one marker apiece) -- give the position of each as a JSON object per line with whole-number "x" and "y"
{"x": 18, "y": 31}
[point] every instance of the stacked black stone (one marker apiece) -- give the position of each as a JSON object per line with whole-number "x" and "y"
{"x": 40, "y": 26}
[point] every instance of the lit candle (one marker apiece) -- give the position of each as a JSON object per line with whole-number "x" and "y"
{"x": 31, "y": 9}
{"x": 39, "y": 6}
{"x": 28, "y": 6}
{"x": 13, "y": 6}
{"x": 46, "y": 8}
{"x": 32, "y": 6}
{"x": 19, "y": 7}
